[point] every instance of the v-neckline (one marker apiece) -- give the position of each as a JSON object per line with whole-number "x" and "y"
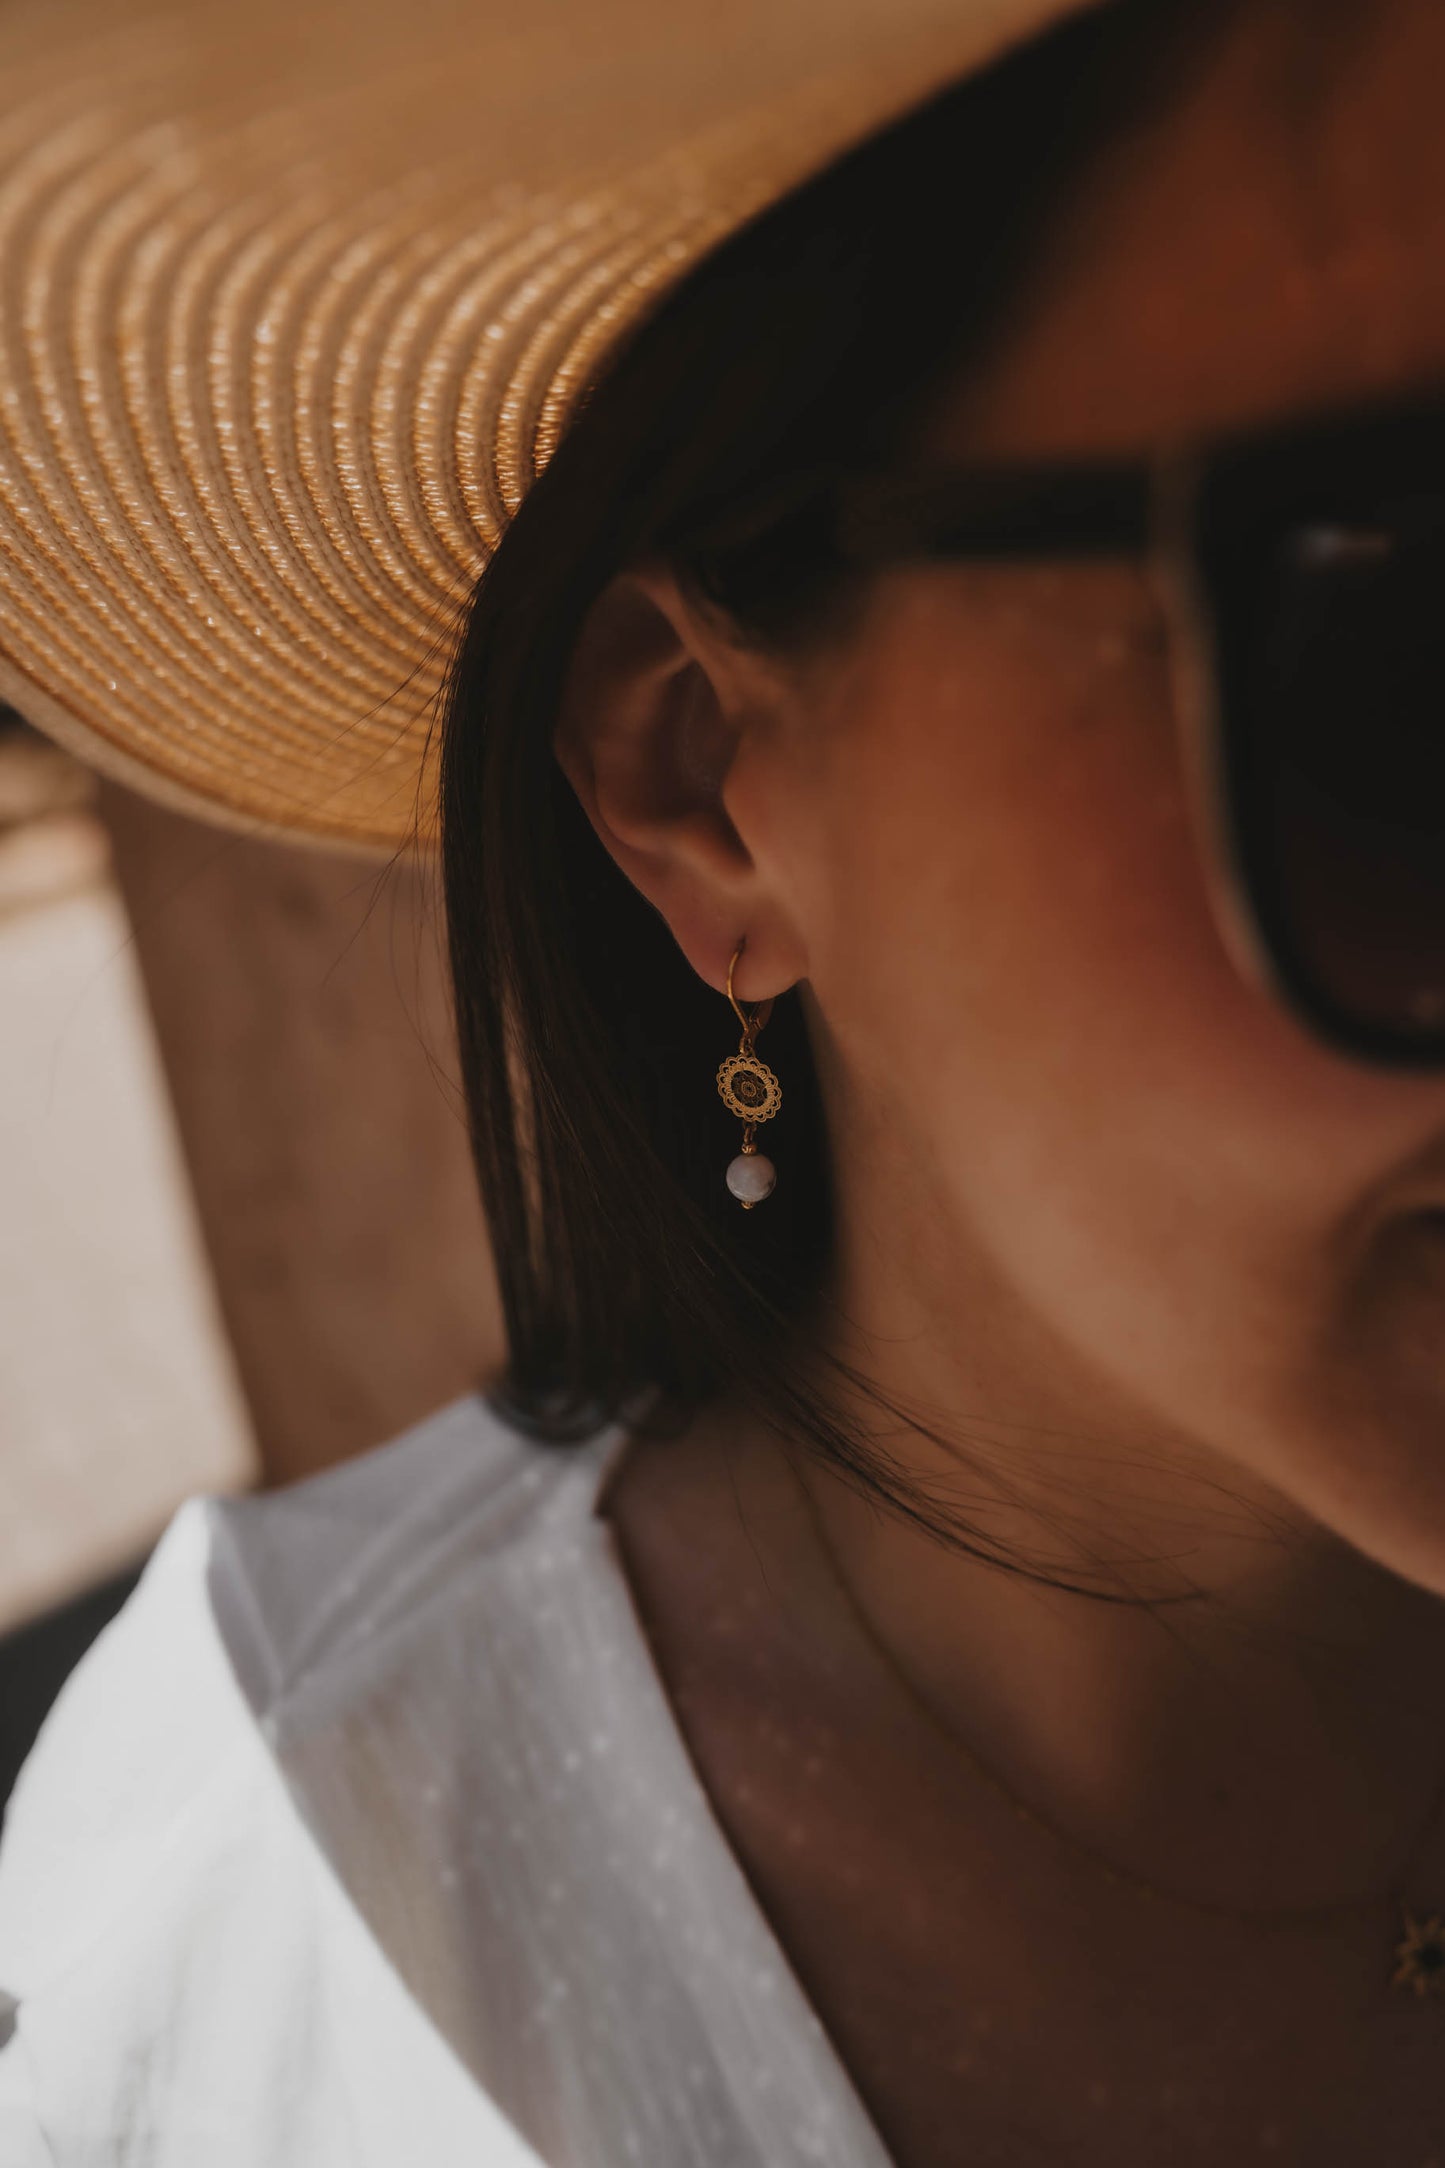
{"x": 605, "y": 1452}
{"x": 558, "y": 1896}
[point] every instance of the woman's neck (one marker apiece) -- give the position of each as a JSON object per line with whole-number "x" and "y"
{"x": 1243, "y": 1706}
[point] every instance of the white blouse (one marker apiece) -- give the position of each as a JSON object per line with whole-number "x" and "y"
{"x": 365, "y": 1837}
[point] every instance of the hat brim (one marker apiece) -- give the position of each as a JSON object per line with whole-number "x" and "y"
{"x": 295, "y": 303}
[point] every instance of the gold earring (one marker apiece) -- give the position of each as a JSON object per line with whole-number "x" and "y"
{"x": 750, "y": 1090}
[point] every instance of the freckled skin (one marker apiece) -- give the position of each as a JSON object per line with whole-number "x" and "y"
{"x": 1106, "y": 1212}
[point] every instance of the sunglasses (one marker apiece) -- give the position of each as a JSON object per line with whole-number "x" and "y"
{"x": 1302, "y": 576}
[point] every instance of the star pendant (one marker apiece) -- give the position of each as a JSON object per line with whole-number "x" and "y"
{"x": 1420, "y": 1958}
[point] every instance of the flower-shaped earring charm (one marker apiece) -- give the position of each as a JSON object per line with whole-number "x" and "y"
{"x": 750, "y": 1090}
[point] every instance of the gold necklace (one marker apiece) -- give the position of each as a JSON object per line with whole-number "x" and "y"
{"x": 1418, "y": 1953}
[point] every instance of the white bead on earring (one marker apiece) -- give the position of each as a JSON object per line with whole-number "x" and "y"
{"x": 750, "y": 1090}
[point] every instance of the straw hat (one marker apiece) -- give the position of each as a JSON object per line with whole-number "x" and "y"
{"x": 295, "y": 299}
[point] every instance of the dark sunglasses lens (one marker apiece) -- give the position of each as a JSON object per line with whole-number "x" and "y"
{"x": 1326, "y": 574}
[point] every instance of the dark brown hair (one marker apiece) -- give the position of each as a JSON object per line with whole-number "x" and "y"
{"x": 808, "y": 349}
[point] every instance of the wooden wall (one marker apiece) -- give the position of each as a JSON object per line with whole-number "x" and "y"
{"x": 299, "y": 1001}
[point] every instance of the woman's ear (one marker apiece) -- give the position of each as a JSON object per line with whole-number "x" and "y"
{"x": 657, "y": 706}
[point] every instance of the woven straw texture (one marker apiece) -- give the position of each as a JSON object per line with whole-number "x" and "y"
{"x": 294, "y": 302}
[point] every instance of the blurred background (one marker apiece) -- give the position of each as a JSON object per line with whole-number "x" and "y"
{"x": 239, "y": 1236}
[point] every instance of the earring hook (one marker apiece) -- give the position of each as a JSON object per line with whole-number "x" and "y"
{"x": 753, "y": 1024}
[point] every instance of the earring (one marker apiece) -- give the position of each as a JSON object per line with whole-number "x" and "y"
{"x": 750, "y": 1090}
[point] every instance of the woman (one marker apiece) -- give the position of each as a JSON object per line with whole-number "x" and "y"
{"x": 968, "y": 1690}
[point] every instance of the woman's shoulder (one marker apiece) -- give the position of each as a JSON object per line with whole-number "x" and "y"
{"x": 165, "y": 1895}
{"x": 252, "y": 1604}
{"x": 366, "y": 1833}
{"x": 337, "y": 1574}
